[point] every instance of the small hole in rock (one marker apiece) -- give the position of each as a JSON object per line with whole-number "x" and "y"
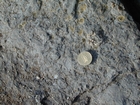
{"x": 45, "y": 101}
{"x": 0, "y": 47}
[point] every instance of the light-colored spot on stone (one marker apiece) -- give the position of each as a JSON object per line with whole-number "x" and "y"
{"x": 113, "y": 4}
{"x": 22, "y": 24}
{"x": 80, "y": 32}
{"x": 37, "y": 77}
{"x": 68, "y": 18}
{"x": 55, "y": 76}
{"x": 72, "y": 28}
{"x": 84, "y": 58}
{"x": 83, "y": 8}
{"x": 80, "y": 21}
{"x": 121, "y": 18}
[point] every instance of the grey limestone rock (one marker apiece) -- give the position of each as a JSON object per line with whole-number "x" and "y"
{"x": 39, "y": 44}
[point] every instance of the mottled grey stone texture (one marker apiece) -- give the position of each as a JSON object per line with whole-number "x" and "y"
{"x": 39, "y": 44}
{"x": 133, "y": 8}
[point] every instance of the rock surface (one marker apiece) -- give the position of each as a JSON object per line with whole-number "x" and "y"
{"x": 133, "y": 8}
{"x": 39, "y": 44}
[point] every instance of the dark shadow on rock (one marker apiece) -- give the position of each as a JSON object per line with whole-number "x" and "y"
{"x": 1, "y": 47}
{"x": 100, "y": 34}
{"x": 94, "y": 55}
{"x": 45, "y": 101}
{"x": 133, "y": 8}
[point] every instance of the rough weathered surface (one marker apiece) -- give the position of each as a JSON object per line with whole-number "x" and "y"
{"x": 40, "y": 41}
{"x": 133, "y": 8}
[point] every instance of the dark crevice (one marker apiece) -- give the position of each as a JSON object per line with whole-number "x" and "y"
{"x": 133, "y": 8}
{"x": 39, "y": 2}
{"x": 76, "y": 9}
{"x": 88, "y": 101}
{"x": 1, "y": 47}
{"x": 45, "y": 100}
{"x": 76, "y": 99}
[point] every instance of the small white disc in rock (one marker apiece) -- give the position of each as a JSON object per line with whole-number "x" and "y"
{"x": 37, "y": 77}
{"x": 55, "y": 76}
{"x": 84, "y": 58}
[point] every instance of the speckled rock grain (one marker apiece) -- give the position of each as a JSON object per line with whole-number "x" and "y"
{"x": 39, "y": 44}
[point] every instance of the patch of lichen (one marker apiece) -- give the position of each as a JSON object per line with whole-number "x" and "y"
{"x": 80, "y": 21}
{"x": 72, "y": 28}
{"x": 68, "y": 18}
{"x": 22, "y": 24}
{"x": 80, "y": 32}
{"x": 82, "y": 8}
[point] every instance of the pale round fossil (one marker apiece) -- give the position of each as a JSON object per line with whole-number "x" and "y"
{"x": 84, "y": 58}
